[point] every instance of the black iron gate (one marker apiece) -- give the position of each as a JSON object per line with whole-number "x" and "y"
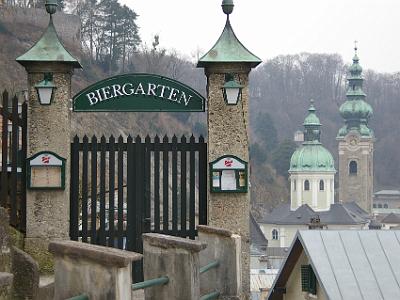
{"x": 12, "y": 160}
{"x": 121, "y": 189}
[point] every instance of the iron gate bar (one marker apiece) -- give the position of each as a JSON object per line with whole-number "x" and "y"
{"x": 165, "y": 186}
{"x": 174, "y": 163}
{"x": 192, "y": 225}
{"x": 4, "y": 149}
{"x": 120, "y": 192}
{"x": 93, "y": 198}
{"x": 74, "y": 193}
{"x": 14, "y": 162}
{"x": 111, "y": 184}
{"x": 24, "y": 149}
{"x": 147, "y": 203}
{"x": 183, "y": 187}
{"x": 85, "y": 174}
{"x": 157, "y": 184}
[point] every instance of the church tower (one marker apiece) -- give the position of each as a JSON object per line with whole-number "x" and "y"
{"x": 356, "y": 143}
{"x": 312, "y": 169}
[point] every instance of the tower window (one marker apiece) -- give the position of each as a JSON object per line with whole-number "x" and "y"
{"x": 274, "y": 234}
{"x": 321, "y": 185}
{"x": 306, "y": 185}
{"x": 385, "y": 205}
{"x": 353, "y": 168}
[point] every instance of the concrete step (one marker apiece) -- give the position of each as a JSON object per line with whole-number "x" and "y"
{"x": 46, "y": 287}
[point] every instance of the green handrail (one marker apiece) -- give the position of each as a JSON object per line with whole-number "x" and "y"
{"x": 149, "y": 283}
{"x": 211, "y": 296}
{"x": 211, "y": 265}
{"x": 80, "y": 297}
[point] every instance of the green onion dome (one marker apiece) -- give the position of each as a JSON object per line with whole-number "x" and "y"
{"x": 312, "y": 156}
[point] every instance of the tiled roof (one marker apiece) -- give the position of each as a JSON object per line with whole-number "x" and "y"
{"x": 339, "y": 213}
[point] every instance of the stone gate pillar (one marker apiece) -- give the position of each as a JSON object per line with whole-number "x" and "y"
{"x": 228, "y": 134}
{"x": 49, "y": 65}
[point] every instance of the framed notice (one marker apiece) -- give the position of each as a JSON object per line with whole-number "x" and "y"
{"x": 46, "y": 170}
{"x": 228, "y": 174}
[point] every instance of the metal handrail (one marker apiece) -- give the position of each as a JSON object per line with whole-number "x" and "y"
{"x": 80, "y": 297}
{"x": 211, "y": 296}
{"x": 149, "y": 283}
{"x": 211, "y": 265}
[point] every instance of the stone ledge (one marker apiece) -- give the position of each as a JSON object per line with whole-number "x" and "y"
{"x": 214, "y": 230}
{"x": 166, "y": 241}
{"x": 103, "y": 255}
{"x": 6, "y": 279}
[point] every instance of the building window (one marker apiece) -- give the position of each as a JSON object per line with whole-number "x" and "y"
{"x": 275, "y": 234}
{"x": 379, "y": 205}
{"x": 374, "y": 205}
{"x": 308, "y": 280}
{"x": 385, "y": 205}
{"x": 353, "y": 168}
{"x": 294, "y": 185}
{"x": 321, "y": 185}
{"x": 306, "y": 185}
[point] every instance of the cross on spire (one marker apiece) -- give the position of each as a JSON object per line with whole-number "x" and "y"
{"x": 355, "y": 46}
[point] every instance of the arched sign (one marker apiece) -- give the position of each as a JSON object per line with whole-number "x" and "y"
{"x": 138, "y": 92}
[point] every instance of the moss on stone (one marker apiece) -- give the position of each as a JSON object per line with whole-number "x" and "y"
{"x": 37, "y": 248}
{"x": 16, "y": 238}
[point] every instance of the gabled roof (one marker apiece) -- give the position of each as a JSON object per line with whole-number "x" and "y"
{"x": 348, "y": 264}
{"x": 48, "y": 49}
{"x": 388, "y": 192}
{"x": 339, "y": 214}
{"x": 256, "y": 235}
{"x": 227, "y": 49}
{"x": 391, "y": 218}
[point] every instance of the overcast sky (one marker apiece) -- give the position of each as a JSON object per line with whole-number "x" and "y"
{"x": 272, "y": 27}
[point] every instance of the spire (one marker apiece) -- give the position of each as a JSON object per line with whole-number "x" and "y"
{"x": 312, "y": 126}
{"x": 355, "y": 110}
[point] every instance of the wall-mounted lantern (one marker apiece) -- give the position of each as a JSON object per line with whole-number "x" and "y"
{"x": 232, "y": 90}
{"x": 45, "y": 89}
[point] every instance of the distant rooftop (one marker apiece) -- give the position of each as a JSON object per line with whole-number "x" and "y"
{"x": 388, "y": 192}
{"x": 339, "y": 213}
{"x": 348, "y": 264}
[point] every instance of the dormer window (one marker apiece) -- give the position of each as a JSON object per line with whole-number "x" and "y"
{"x": 321, "y": 185}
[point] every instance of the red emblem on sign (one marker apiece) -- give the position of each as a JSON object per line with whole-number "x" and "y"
{"x": 228, "y": 163}
{"x": 45, "y": 159}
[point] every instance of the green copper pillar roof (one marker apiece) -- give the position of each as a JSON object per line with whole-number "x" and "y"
{"x": 228, "y": 48}
{"x": 355, "y": 111}
{"x": 48, "y": 49}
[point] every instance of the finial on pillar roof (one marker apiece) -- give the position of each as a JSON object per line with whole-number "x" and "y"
{"x": 51, "y": 7}
{"x": 227, "y": 7}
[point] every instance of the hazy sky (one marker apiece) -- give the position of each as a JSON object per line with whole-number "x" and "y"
{"x": 272, "y": 27}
